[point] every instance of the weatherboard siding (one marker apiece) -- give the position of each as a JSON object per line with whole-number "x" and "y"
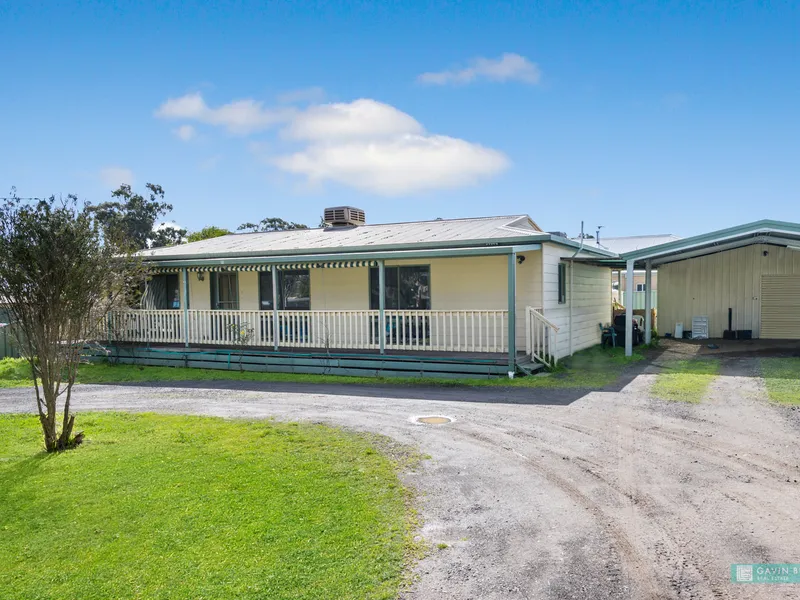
{"x": 709, "y": 285}
{"x": 199, "y": 292}
{"x": 591, "y": 299}
{"x": 340, "y": 289}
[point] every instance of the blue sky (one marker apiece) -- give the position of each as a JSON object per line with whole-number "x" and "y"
{"x": 642, "y": 117}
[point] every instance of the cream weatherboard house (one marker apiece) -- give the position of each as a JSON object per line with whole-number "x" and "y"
{"x": 448, "y": 297}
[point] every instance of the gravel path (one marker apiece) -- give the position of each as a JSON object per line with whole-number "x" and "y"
{"x": 558, "y": 494}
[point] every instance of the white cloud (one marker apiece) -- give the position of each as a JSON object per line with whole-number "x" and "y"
{"x": 360, "y": 119}
{"x": 114, "y": 176}
{"x": 393, "y": 167}
{"x": 185, "y": 132}
{"x": 508, "y": 67}
{"x": 364, "y": 144}
{"x": 239, "y": 117}
{"x": 379, "y": 149}
{"x": 309, "y": 94}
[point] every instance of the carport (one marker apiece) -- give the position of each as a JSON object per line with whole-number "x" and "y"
{"x": 749, "y": 274}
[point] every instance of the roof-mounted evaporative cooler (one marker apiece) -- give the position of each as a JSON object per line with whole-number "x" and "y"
{"x": 344, "y": 216}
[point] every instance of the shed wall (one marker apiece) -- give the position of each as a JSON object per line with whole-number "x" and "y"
{"x": 709, "y": 285}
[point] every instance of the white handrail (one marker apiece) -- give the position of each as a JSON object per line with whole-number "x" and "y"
{"x": 541, "y": 337}
{"x": 428, "y": 330}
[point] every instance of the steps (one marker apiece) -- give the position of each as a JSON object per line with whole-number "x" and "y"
{"x": 528, "y": 366}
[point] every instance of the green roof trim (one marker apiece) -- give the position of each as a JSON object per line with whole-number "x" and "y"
{"x": 765, "y": 226}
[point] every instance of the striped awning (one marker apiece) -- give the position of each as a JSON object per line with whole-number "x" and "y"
{"x": 339, "y": 264}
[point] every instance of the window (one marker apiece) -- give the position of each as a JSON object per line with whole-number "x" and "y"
{"x": 641, "y": 287}
{"x": 265, "y": 290}
{"x": 294, "y": 290}
{"x": 562, "y": 283}
{"x": 224, "y": 291}
{"x": 162, "y": 292}
{"x": 407, "y": 288}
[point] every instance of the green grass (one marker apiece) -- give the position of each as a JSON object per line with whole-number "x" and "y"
{"x": 685, "y": 380}
{"x": 155, "y": 506}
{"x": 591, "y": 368}
{"x": 782, "y": 379}
{"x": 14, "y": 372}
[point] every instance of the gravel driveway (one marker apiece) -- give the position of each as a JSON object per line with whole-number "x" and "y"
{"x": 558, "y": 494}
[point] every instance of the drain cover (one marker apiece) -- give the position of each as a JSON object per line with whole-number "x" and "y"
{"x": 433, "y": 420}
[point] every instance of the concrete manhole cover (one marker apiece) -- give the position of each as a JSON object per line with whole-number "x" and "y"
{"x": 434, "y": 420}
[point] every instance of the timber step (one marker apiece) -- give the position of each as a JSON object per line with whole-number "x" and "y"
{"x": 529, "y": 366}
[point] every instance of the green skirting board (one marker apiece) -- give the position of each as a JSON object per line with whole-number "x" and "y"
{"x": 360, "y": 365}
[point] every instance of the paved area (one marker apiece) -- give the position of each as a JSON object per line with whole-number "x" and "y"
{"x": 558, "y": 494}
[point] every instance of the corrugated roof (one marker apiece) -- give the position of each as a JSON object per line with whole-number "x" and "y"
{"x": 337, "y": 239}
{"x": 620, "y": 245}
{"x": 779, "y": 232}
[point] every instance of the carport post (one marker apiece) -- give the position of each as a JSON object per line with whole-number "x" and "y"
{"x": 382, "y": 306}
{"x": 629, "y": 310}
{"x": 185, "y": 274}
{"x": 275, "y": 320}
{"x": 648, "y": 302}
{"x": 512, "y": 312}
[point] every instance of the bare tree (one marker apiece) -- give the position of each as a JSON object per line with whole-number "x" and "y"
{"x": 59, "y": 281}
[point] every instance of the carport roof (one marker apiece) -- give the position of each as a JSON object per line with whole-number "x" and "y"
{"x": 779, "y": 233}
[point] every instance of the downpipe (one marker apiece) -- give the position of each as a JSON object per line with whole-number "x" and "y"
{"x": 571, "y": 280}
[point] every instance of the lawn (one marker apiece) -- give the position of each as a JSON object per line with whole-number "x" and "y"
{"x": 591, "y": 368}
{"x": 155, "y": 506}
{"x": 685, "y": 380}
{"x": 782, "y": 379}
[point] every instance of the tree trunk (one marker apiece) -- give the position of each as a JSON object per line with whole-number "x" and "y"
{"x": 55, "y": 441}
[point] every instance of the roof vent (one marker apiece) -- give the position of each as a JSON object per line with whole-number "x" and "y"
{"x": 344, "y": 216}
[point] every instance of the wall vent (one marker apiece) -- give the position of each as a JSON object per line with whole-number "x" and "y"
{"x": 344, "y": 216}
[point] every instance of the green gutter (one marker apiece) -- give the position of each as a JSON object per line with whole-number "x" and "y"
{"x": 489, "y": 251}
{"x": 764, "y": 226}
{"x": 493, "y": 242}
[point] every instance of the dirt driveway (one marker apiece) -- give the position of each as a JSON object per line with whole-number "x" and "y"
{"x": 542, "y": 494}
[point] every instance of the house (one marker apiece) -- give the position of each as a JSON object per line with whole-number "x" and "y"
{"x": 743, "y": 279}
{"x": 474, "y": 297}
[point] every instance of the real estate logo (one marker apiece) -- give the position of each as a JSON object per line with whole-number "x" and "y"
{"x": 744, "y": 573}
{"x": 765, "y": 573}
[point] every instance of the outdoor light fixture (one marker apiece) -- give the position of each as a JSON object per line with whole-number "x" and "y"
{"x": 520, "y": 259}
{"x": 201, "y": 276}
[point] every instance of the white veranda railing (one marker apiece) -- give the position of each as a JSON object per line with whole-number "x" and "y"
{"x": 541, "y": 337}
{"x": 437, "y": 330}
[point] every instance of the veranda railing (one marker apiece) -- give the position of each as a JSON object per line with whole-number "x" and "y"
{"x": 431, "y": 330}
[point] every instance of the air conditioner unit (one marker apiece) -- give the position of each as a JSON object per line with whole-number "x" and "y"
{"x": 344, "y": 216}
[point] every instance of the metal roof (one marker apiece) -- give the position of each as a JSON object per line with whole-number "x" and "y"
{"x": 440, "y": 233}
{"x": 620, "y": 245}
{"x": 780, "y": 233}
